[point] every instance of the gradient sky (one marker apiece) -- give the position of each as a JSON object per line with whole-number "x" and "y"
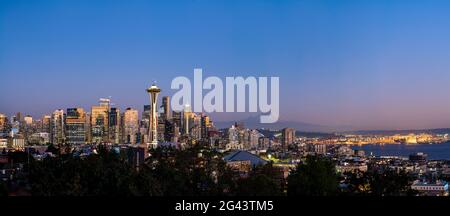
{"x": 381, "y": 64}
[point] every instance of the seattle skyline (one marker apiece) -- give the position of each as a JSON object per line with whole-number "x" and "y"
{"x": 366, "y": 65}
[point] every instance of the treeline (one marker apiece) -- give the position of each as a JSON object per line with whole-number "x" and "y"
{"x": 197, "y": 172}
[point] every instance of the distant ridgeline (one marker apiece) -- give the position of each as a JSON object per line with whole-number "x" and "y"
{"x": 393, "y": 132}
{"x": 272, "y": 133}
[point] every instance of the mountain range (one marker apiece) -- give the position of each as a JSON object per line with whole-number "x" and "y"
{"x": 302, "y": 127}
{"x": 253, "y": 122}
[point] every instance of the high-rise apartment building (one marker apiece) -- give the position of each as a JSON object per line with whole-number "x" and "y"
{"x": 233, "y": 138}
{"x": 263, "y": 143}
{"x": 254, "y": 136}
{"x": 287, "y": 137}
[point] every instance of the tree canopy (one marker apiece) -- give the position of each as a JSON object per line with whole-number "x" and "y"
{"x": 315, "y": 177}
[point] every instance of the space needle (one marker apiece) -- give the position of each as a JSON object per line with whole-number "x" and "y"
{"x": 153, "y": 91}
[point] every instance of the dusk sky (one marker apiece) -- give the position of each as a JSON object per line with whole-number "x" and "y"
{"x": 382, "y": 64}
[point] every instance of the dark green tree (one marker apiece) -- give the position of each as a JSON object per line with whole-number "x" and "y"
{"x": 3, "y": 189}
{"x": 258, "y": 185}
{"x": 389, "y": 183}
{"x": 51, "y": 148}
{"x": 315, "y": 177}
{"x": 65, "y": 175}
{"x": 378, "y": 183}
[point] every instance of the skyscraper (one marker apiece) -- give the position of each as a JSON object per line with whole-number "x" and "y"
{"x": 204, "y": 126}
{"x": 176, "y": 125}
{"x": 166, "y": 107}
{"x": 169, "y": 131}
{"x": 263, "y": 143}
{"x": 105, "y": 102}
{"x": 162, "y": 121}
{"x": 153, "y": 92}
{"x": 188, "y": 121}
{"x": 176, "y": 118}
{"x": 3, "y": 125}
{"x": 233, "y": 138}
{"x": 146, "y": 115}
{"x": 130, "y": 125}
{"x": 19, "y": 117}
{"x": 176, "y": 134}
{"x": 287, "y": 137}
{"x": 28, "y": 120}
{"x": 46, "y": 122}
{"x": 114, "y": 125}
{"x": 100, "y": 121}
{"x": 87, "y": 127}
{"x": 254, "y": 136}
{"x": 27, "y": 127}
{"x": 57, "y": 127}
{"x": 195, "y": 126}
{"x": 75, "y": 126}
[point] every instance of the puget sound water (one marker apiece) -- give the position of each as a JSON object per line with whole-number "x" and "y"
{"x": 435, "y": 151}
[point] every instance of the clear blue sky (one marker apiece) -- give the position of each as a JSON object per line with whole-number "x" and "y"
{"x": 368, "y": 64}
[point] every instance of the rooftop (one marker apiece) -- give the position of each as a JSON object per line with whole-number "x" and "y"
{"x": 245, "y": 156}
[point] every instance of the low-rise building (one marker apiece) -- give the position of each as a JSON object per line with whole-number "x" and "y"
{"x": 243, "y": 161}
{"x": 3, "y": 143}
{"x": 351, "y": 167}
{"x": 17, "y": 143}
{"x": 439, "y": 188}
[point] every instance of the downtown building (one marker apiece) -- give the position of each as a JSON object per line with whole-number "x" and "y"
{"x": 57, "y": 127}
{"x": 100, "y": 122}
{"x": 166, "y": 114}
{"x": 287, "y": 137}
{"x": 46, "y": 124}
{"x": 4, "y": 126}
{"x": 176, "y": 126}
{"x": 165, "y": 123}
{"x": 145, "y": 124}
{"x": 115, "y": 131}
{"x": 130, "y": 125}
{"x": 75, "y": 126}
